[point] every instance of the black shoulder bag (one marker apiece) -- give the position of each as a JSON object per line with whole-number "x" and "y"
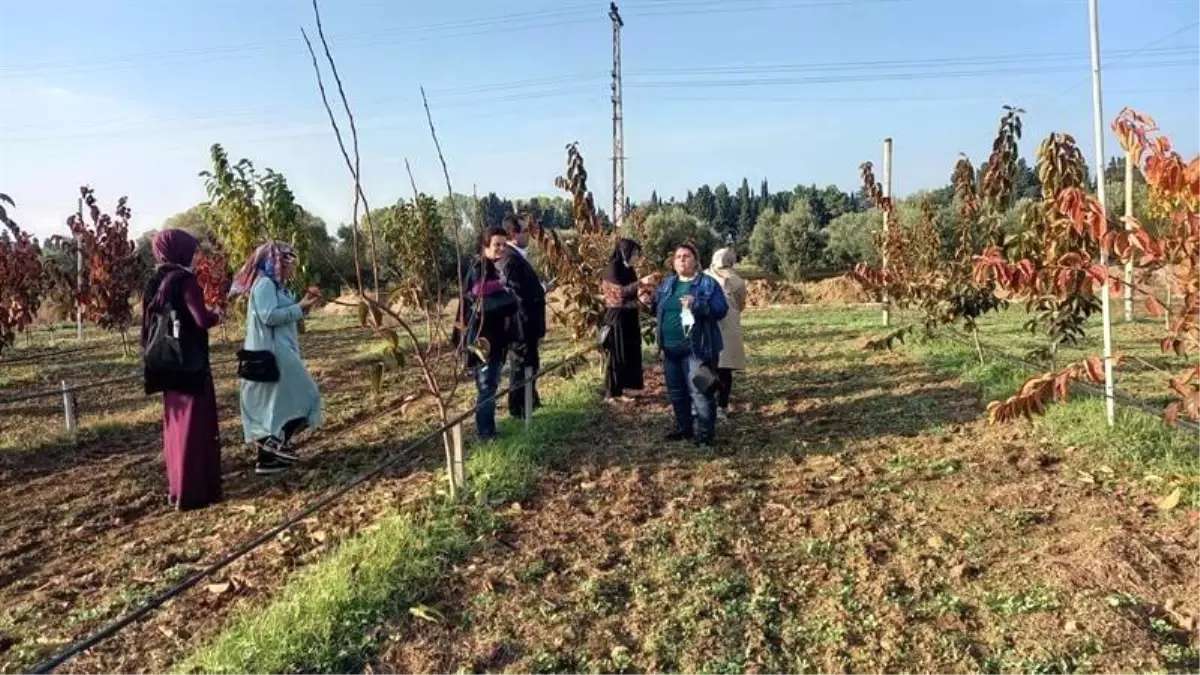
{"x": 258, "y": 365}
{"x": 168, "y": 350}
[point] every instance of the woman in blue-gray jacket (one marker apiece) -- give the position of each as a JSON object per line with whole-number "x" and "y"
{"x": 688, "y": 305}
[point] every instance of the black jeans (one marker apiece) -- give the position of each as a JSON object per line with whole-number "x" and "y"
{"x": 725, "y": 376}
{"x": 523, "y": 354}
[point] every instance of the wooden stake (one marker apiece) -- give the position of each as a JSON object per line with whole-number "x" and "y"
{"x": 528, "y": 396}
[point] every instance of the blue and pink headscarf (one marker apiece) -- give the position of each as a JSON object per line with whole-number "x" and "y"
{"x": 267, "y": 260}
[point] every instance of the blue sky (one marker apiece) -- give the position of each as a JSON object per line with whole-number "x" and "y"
{"x": 128, "y": 95}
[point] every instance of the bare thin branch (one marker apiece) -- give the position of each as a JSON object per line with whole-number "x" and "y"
{"x": 358, "y": 191}
{"x": 337, "y": 131}
{"x": 450, "y": 191}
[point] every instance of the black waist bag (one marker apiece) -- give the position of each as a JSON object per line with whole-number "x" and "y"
{"x": 257, "y": 366}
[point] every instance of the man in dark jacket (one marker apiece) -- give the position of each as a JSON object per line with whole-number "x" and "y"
{"x": 523, "y": 279}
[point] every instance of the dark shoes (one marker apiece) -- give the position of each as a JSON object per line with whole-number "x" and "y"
{"x": 274, "y": 457}
{"x": 269, "y": 465}
{"x": 278, "y": 448}
{"x": 677, "y": 435}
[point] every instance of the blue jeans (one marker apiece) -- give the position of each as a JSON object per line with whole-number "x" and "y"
{"x": 679, "y": 367}
{"x": 487, "y": 381}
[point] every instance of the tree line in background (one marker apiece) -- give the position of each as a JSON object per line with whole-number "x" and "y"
{"x": 794, "y": 233}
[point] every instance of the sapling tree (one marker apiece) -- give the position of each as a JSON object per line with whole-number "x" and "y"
{"x": 577, "y": 264}
{"x": 1050, "y": 267}
{"x": 1175, "y": 200}
{"x": 112, "y": 268}
{"x": 214, "y": 274}
{"x": 1053, "y": 269}
{"x": 253, "y": 208}
{"x": 22, "y": 282}
{"x": 968, "y": 300}
{"x": 437, "y": 360}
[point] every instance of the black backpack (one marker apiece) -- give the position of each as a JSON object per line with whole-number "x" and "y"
{"x": 170, "y": 347}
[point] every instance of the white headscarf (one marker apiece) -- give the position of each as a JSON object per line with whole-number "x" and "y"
{"x": 723, "y": 260}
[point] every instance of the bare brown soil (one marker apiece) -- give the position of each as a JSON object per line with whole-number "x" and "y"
{"x": 858, "y": 516}
{"x": 86, "y": 532}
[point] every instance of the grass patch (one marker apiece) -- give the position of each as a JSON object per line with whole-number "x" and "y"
{"x": 322, "y": 620}
{"x": 1139, "y": 444}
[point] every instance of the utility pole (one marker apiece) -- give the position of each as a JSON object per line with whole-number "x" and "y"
{"x": 1098, "y": 130}
{"x": 618, "y": 158}
{"x": 887, "y": 194}
{"x": 79, "y": 278}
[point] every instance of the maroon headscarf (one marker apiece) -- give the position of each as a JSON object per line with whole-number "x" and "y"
{"x": 174, "y": 250}
{"x": 174, "y": 247}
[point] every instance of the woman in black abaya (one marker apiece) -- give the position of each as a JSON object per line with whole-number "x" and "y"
{"x": 621, "y": 329}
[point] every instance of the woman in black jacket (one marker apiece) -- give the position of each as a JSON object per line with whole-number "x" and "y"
{"x": 488, "y": 312}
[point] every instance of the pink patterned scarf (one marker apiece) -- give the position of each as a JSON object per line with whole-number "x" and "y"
{"x": 267, "y": 260}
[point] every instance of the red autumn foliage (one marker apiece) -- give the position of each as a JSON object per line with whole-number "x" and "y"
{"x": 1038, "y": 391}
{"x": 21, "y": 280}
{"x": 1174, "y": 195}
{"x": 113, "y": 271}
{"x": 214, "y": 274}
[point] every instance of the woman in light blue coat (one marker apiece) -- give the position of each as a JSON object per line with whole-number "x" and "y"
{"x": 274, "y": 412}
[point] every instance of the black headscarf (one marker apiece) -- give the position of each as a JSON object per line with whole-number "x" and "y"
{"x": 619, "y": 270}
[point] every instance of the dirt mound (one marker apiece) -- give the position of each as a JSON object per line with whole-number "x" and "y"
{"x": 346, "y": 305}
{"x": 833, "y": 291}
{"x": 837, "y": 291}
{"x": 764, "y": 293}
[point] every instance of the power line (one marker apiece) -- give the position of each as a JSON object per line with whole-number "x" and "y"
{"x": 875, "y": 77}
{"x": 467, "y": 98}
{"x": 577, "y": 13}
{"x": 495, "y": 24}
{"x": 466, "y": 91}
{"x": 1119, "y": 59}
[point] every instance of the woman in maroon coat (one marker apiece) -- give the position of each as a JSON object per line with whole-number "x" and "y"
{"x": 191, "y": 443}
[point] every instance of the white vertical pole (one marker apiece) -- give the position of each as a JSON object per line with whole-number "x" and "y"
{"x": 458, "y": 469}
{"x": 69, "y": 408}
{"x": 1128, "y": 214}
{"x": 79, "y": 278}
{"x": 1098, "y": 130}
{"x": 887, "y": 192}
{"x": 528, "y": 396}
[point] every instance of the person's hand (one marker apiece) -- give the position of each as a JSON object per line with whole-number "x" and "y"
{"x": 687, "y": 301}
{"x": 649, "y": 280}
{"x": 308, "y": 302}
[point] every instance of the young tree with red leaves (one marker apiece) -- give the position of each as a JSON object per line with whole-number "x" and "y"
{"x": 1056, "y": 267}
{"x": 214, "y": 274}
{"x": 1174, "y": 198}
{"x": 21, "y": 278}
{"x": 113, "y": 270}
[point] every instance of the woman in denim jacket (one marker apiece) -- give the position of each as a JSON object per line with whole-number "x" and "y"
{"x": 689, "y": 304}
